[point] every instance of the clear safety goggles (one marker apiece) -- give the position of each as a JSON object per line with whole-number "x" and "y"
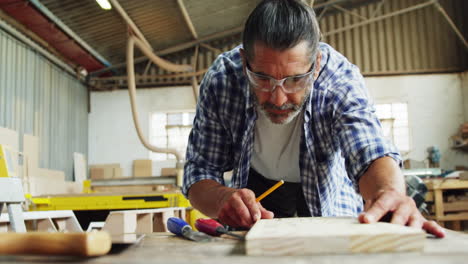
{"x": 291, "y": 84}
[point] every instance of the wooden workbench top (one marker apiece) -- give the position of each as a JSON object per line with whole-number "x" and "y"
{"x": 167, "y": 249}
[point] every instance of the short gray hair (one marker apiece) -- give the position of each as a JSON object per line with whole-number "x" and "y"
{"x": 281, "y": 24}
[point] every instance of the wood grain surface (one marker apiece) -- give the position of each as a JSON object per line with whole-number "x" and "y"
{"x": 42, "y": 243}
{"x": 320, "y": 235}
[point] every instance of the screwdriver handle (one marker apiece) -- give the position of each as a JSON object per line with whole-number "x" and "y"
{"x": 177, "y": 225}
{"x": 210, "y": 227}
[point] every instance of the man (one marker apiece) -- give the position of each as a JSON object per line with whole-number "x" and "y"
{"x": 285, "y": 106}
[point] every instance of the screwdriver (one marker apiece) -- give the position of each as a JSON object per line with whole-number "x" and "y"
{"x": 181, "y": 228}
{"x": 212, "y": 227}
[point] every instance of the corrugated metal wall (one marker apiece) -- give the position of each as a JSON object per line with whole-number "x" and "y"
{"x": 37, "y": 97}
{"x": 415, "y": 42}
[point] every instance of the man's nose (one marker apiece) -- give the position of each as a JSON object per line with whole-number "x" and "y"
{"x": 278, "y": 96}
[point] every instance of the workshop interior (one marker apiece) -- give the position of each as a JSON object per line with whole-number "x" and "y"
{"x": 105, "y": 107}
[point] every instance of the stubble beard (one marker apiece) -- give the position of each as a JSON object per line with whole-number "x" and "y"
{"x": 282, "y": 119}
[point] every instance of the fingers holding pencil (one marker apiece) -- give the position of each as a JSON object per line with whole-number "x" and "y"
{"x": 242, "y": 209}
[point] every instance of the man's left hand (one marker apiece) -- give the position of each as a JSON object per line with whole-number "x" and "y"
{"x": 403, "y": 210}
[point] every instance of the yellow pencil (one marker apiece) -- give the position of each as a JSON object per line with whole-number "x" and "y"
{"x": 267, "y": 192}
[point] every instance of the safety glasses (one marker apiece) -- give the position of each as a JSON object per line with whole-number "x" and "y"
{"x": 291, "y": 84}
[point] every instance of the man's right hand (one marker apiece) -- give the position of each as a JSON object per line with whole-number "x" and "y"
{"x": 233, "y": 207}
{"x": 239, "y": 209}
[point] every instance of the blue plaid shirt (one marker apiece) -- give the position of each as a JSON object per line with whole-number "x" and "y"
{"x": 341, "y": 133}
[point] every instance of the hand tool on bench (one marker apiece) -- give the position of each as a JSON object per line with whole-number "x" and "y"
{"x": 43, "y": 243}
{"x": 214, "y": 228}
{"x": 182, "y": 228}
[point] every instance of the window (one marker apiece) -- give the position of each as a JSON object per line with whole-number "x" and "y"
{"x": 394, "y": 119}
{"x": 170, "y": 130}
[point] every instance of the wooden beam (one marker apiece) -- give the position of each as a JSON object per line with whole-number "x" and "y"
{"x": 187, "y": 19}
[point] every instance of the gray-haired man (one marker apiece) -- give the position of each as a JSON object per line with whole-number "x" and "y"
{"x": 285, "y": 106}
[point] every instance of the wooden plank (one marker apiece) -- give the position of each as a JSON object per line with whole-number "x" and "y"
{"x": 47, "y": 182}
{"x": 69, "y": 224}
{"x": 319, "y": 235}
{"x": 429, "y": 196}
{"x": 439, "y": 203}
{"x": 31, "y": 151}
{"x": 453, "y": 217}
{"x": 10, "y": 138}
{"x": 446, "y": 184}
{"x": 79, "y": 167}
{"x": 73, "y": 187}
{"x": 120, "y": 222}
{"x": 456, "y": 206}
{"x": 160, "y": 221}
{"x": 144, "y": 223}
{"x": 124, "y": 226}
{"x": 45, "y": 225}
{"x": 64, "y": 220}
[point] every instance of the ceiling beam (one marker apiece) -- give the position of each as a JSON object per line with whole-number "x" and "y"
{"x": 130, "y": 22}
{"x": 377, "y": 9}
{"x": 208, "y": 47}
{"x": 322, "y": 13}
{"x": 382, "y": 17}
{"x": 69, "y": 32}
{"x": 187, "y": 19}
{"x": 176, "y": 48}
{"x": 349, "y": 12}
{"x": 452, "y": 25}
{"x": 329, "y": 3}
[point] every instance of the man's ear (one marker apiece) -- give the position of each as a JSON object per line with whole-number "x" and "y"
{"x": 317, "y": 65}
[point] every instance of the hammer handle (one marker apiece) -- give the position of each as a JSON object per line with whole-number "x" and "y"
{"x": 42, "y": 243}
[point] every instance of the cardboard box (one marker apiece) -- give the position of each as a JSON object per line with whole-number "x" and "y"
{"x": 169, "y": 172}
{"x": 117, "y": 173}
{"x": 96, "y": 173}
{"x": 142, "y": 168}
{"x": 104, "y": 171}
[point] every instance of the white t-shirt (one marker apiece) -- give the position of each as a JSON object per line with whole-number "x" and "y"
{"x": 276, "y": 148}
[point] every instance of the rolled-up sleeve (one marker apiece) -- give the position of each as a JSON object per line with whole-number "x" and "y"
{"x": 209, "y": 142}
{"x": 357, "y": 128}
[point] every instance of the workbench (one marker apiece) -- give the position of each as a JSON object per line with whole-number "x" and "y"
{"x": 167, "y": 249}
